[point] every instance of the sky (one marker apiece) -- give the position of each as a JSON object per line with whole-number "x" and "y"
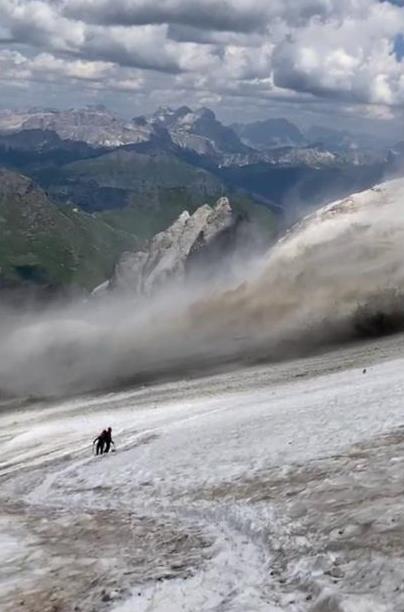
{"x": 310, "y": 60}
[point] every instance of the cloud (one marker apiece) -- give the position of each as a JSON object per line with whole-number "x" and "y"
{"x": 40, "y": 24}
{"x": 344, "y": 52}
{"x": 243, "y": 16}
{"x": 44, "y": 66}
{"x": 226, "y": 15}
{"x": 348, "y": 60}
{"x": 146, "y": 48}
{"x": 181, "y": 33}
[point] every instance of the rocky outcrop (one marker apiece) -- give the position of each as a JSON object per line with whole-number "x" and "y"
{"x": 172, "y": 253}
{"x": 199, "y": 131}
{"x": 94, "y": 125}
{"x": 269, "y": 134}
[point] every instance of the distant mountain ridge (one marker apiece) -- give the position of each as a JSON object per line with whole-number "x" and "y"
{"x": 143, "y": 172}
{"x": 187, "y": 126}
{"x": 80, "y": 187}
{"x": 270, "y": 133}
{"x": 94, "y": 125}
{"x": 195, "y": 130}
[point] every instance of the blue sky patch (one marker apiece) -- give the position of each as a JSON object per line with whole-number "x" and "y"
{"x": 399, "y": 47}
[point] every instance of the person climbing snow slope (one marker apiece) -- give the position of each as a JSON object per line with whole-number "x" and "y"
{"x": 101, "y": 442}
{"x": 108, "y": 440}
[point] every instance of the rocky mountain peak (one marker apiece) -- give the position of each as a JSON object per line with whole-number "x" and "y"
{"x": 168, "y": 254}
{"x": 94, "y": 125}
{"x": 205, "y": 113}
{"x": 195, "y": 130}
{"x": 192, "y": 120}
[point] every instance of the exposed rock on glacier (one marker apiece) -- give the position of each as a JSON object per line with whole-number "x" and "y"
{"x": 172, "y": 253}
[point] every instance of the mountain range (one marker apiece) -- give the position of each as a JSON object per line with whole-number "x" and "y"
{"x": 196, "y": 130}
{"x": 95, "y": 125}
{"x": 270, "y": 133}
{"x": 127, "y": 180}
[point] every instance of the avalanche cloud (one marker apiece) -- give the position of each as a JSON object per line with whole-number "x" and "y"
{"x": 339, "y": 272}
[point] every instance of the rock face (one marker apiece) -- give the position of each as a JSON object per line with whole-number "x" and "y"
{"x": 199, "y": 130}
{"x": 94, "y": 125}
{"x": 270, "y": 133}
{"x": 171, "y": 253}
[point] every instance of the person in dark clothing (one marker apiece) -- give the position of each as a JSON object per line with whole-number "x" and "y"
{"x": 108, "y": 440}
{"x": 101, "y": 442}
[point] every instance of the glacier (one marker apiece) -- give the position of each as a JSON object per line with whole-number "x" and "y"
{"x": 269, "y": 488}
{"x": 272, "y": 487}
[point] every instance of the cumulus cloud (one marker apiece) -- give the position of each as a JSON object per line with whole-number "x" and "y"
{"x": 40, "y": 24}
{"x": 45, "y": 66}
{"x": 342, "y": 51}
{"x": 227, "y": 15}
{"x": 348, "y": 59}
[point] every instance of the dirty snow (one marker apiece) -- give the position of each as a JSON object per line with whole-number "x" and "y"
{"x": 268, "y": 489}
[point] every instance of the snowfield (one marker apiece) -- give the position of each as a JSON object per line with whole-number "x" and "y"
{"x": 274, "y": 488}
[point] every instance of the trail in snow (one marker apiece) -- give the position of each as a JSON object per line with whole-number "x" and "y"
{"x": 262, "y": 489}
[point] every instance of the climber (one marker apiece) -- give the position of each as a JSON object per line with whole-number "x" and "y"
{"x": 108, "y": 440}
{"x": 101, "y": 441}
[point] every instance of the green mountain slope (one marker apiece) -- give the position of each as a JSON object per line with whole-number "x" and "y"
{"x": 142, "y": 192}
{"x": 128, "y": 169}
{"x": 43, "y": 244}
{"x": 72, "y": 230}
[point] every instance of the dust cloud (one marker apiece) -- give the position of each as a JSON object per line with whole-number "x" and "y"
{"x": 337, "y": 274}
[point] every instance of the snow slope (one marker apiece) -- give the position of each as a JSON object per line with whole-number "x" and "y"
{"x": 264, "y": 489}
